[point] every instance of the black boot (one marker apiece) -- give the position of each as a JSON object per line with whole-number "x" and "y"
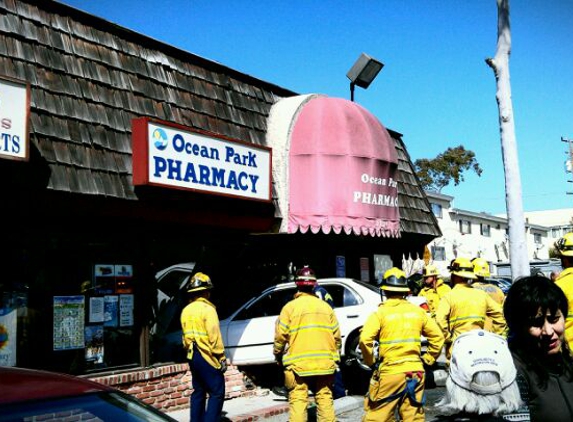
{"x": 280, "y": 391}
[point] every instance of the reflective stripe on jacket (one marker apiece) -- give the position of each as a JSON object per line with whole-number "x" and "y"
{"x": 397, "y": 326}
{"x": 433, "y": 295}
{"x": 310, "y": 328}
{"x": 200, "y": 325}
{"x": 465, "y": 309}
{"x": 565, "y": 282}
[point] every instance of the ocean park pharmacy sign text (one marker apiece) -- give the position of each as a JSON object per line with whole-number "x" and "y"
{"x": 177, "y": 157}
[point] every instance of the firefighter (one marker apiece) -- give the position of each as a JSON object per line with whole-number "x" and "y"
{"x": 481, "y": 270}
{"x": 338, "y": 388}
{"x": 466, "y": 308}
{"x": 434, "y": 288}
{"x": 205, "y": 351}
{"x": 397, "y": 383}
{"x": 307, "y": 345}
{"x": 564, "y": 280}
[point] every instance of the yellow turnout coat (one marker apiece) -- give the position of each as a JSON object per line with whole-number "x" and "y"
{"x": 310, "y": 328}
{"x": 397, "y": 326}
{"x": 200, "y": 325}
{"x": 565, "y": 282}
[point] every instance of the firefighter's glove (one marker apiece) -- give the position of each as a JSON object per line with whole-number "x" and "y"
{"x": 223, "y": 367}
{"x": 279, "y": 359}
{"x": 428, "y": 360}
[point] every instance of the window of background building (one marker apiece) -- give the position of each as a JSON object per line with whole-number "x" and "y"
{"x": 537, "y": 238}
{"x": 555, "y": 233}
{"x": 437, "y": 210}
{"x": 465, "y": 227}
{"x": 485, "y": 229}
{"x": 438, "y": 253}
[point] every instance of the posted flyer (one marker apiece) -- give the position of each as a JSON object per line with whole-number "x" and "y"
{"x": 69, "y": 314}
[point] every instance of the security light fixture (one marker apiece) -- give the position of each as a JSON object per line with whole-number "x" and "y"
{"x": 363, "y": 72}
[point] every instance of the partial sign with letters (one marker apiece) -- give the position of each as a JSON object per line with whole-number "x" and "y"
{"x": 14, "y": 118}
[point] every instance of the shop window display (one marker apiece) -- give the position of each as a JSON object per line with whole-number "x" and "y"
{"x": 110, "y": 327}
{"x": 89, "y": 307}
{"x": 56, "y": 313}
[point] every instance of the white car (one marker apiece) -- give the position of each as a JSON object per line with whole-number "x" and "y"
{"x": 248, "y": 334}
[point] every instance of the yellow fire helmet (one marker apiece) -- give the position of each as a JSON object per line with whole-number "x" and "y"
{"x": 565, "y": 245}
{"x": 481, "y": 267}
{"x": 462, "y": 267}
{"x": 430, "y": 270}
{"x": 395, "y": 281}
{"x": 199, "y": 282}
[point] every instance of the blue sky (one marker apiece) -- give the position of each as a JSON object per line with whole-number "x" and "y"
{"x": 435, "y": 87}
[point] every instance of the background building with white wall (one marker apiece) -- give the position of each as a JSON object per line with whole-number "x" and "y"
{"x": 471, "y": 234}
{"x": 559, "y": 221}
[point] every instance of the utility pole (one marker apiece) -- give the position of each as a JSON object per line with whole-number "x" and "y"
{"x": 569, "y": 162}
{"x": 513, "y": 199}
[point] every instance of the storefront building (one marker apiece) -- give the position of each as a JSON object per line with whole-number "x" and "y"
{"x": 120, "y": 156}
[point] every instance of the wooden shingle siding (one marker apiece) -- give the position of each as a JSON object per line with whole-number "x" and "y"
{"x": 89, "y": 78}
{"x": 415, "y": 211}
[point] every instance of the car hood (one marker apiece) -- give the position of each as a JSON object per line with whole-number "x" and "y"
{"x": 18, "y": 384}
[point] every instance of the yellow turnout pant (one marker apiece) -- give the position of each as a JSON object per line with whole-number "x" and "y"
{"x": 298, "y": 396}
{"x": 387, "y": 386}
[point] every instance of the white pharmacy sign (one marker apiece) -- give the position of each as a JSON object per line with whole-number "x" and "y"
{"x": 174, "y": 156}
{"x": 14, "y": 118}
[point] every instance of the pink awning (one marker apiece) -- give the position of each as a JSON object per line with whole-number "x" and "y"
{"x": 342, "y": 171}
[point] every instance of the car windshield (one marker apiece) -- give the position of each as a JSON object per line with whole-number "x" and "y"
{"x": 372, "y": 287}
{"x": 104, "y": 406}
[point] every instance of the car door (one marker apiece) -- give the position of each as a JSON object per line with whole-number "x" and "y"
{"x": 350, "y": 308}
{"x": 249, "y": 334}
{"x": 166, "y": 328}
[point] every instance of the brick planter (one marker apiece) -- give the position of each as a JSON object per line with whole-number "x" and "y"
{"x": 168, "y": 387}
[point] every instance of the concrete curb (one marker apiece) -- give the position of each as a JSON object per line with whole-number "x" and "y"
{"x": 280, "y": 412}
{"x": 348, "y": 403}
{"x": 274, "y": 412}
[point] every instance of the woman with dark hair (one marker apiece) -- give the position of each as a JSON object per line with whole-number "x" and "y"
{"x": 535, "y": 311}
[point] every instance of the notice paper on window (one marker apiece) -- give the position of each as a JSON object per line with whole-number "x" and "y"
{"x": 125, "y": 310}
{"x": 110, "y": 311}
{"x": 68, "y": 322}
{"x": 96, "y": 310}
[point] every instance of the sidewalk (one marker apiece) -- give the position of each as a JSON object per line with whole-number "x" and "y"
{"x": 265, "y": 405}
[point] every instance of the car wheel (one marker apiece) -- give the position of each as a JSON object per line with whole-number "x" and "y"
{"x": 354, "y": 354}
{"x": 356, "y": 373}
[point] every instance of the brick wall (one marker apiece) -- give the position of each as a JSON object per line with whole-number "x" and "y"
{"x": 168, "y": 387}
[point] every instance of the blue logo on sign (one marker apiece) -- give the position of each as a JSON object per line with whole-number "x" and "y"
{"x": 160, "y": 139}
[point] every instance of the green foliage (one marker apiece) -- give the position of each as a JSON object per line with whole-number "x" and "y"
{"x": 447, "y": 167}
